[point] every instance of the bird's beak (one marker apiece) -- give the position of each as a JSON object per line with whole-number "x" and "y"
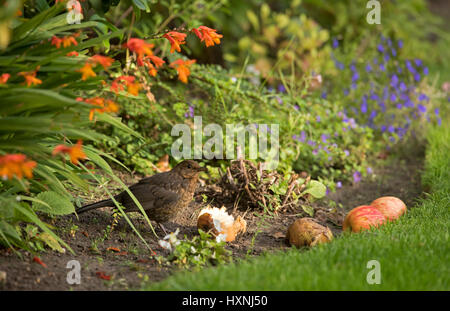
{"x": 202, "y": 169}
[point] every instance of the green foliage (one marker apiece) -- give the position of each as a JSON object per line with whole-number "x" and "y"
{"x": 437, "y": 164}
{"x": 238, "y": 96}
{"x": 35, "y": 119}
{"x": 276, "y": 40}
{"x": 279, "y": 188}
{"x": 201, "y": 250}
{"x": 220, "y": 97}
{"x": 152, "y": 18}
{"x": 316, "y": 189}
{"x": 52, "y": 203}
{"x": 411, "y": 20}
{"x": 37, "y": 240}
{"x": 14, "y": 211}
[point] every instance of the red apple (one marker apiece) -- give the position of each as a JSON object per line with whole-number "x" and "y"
{"x": 362, "y": 218}
{"x": 391, "y": 207}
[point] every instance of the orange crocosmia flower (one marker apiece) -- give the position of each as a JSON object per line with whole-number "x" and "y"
{"x": 32, "y": 80}
{"x": 4, "y": 78}
{"x": 16, "y": 165}
{"x": 175, "y": 39}
{"x": 28, "y": 167}
{"x": 56, "y": 42}
{"x": 65, "y": 41}
{"x": 68, "y": 41}
{"x": 140, "y": 47}
{"x": 108, "y": 106}
{"x": 152, "y": 70}
{"x": 92, "y": 112}
{"x": 102, "y": 60}
{"x": 209, "y": 35}
{"x": 75, "y": 152}
{"x": 140, "y": 61}
{"x": 96, "y": 101}
{"x": 30, "y": 77}
{"x": 197, "y": 33}
{"x": 111, "y": 106}
{"x": 182, "y": 67}
{"x": 86, "y": 71}
{"x": 129, "y": 81}
{"x": 133, "y": 88}
{"x": 73, "y": 53}
{"x": 116, "y": 86}
{"x": 156, "y": 60}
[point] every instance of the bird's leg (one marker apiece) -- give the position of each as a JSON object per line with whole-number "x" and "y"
{"x": 162, "y": 227}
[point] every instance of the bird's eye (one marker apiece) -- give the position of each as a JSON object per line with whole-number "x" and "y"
{"x": 189, "y": 166}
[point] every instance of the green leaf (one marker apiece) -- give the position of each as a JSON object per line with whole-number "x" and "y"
{"x": 35, "y": 98}
{"x": 316, "y": 189}
{"x": 115, "y": 121}
{"x": 300, "y": 181}
{"x": 47, "y": 174}
{"x": 32, "y": 24}
{"x": 253, "y": 20}
{"x": 9, "y": 231}
{"x": 98, "y": 160}
{"x": 142, "y": 4}
{"x": 54, "y": 203}
{"x": 31, "y": 216}
{"x": 42, "y": 5}
{"x": 101, "y": 153}
{"x": 50, "y": 241}
{"x": 308, "y": 210}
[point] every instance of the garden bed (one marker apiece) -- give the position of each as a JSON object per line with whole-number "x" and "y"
{"x": 344, "y": 103}
{"x": 128, "y": 263}
{"x": 411, "y": 253}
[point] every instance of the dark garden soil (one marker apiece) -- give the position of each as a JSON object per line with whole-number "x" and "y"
{"x": 130, "y": 263}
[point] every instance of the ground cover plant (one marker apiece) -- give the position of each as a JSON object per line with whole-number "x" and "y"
{"x": 90, "y": 92}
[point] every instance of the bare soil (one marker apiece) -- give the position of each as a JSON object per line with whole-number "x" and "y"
{"x": 133, "y": 262}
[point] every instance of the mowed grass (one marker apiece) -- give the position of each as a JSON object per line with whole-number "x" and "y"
{"x": 414, "y": 252}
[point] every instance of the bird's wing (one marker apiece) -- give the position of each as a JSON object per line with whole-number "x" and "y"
{"x": 150, "y": 197}
{"x": 154, "y": 180}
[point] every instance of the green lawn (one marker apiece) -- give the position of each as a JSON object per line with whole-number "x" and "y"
{"x": 414, "y": 253}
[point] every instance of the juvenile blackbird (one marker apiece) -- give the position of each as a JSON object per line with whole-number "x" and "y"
{"x": 162, "y": 195}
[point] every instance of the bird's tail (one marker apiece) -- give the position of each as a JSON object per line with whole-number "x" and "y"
{"x": 88, "y": 207}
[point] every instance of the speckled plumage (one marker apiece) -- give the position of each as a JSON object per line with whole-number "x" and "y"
{"x": 162, "y": 195}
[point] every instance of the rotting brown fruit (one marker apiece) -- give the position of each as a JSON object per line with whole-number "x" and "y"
{"x": 307, "y": 232}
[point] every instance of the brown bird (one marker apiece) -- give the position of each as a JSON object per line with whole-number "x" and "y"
{"x": 162, "y": 195}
